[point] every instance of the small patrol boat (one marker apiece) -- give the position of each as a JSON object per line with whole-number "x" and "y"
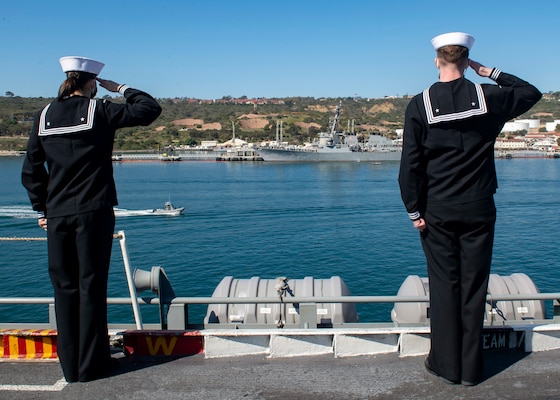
{"x": 169, "y": 209}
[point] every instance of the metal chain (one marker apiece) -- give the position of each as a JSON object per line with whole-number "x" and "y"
{"x": 281, "y": 288}
{"x": 494, "y": 307}
{"x": 30, "y": 239}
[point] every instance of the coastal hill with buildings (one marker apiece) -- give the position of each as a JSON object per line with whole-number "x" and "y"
{"x": 188, "y": 122}
{"x": 534, "y": 137}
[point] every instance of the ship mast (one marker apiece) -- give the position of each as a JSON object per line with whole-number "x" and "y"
{"x": 334, "y": 127}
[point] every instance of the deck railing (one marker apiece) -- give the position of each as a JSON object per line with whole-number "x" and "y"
{"x": 178, "y": 307}
{"x": 177, "y": 312}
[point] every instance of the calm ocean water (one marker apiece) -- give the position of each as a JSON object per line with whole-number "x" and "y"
{"x": 270, "y": 220}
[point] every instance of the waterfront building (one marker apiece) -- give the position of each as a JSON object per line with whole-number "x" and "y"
{"x": 510, "y": 144}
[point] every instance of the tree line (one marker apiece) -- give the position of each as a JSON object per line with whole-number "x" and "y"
{"x": 365, "y": 116}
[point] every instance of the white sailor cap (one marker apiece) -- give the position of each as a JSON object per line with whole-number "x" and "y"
{"x": 81, "y": 64}
{"x": 453, "y": 38}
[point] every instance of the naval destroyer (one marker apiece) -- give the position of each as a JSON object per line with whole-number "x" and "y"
{"x": 335, "y": 145}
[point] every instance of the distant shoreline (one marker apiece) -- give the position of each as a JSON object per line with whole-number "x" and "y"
{"x": 510, "y": 154}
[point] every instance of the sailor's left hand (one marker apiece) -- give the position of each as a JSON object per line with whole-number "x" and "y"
{"x": 419, "y": 224}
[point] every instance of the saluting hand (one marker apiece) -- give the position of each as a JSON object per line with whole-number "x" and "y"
{"x": 480, "y": 69}
{"x": 109, "y": 85}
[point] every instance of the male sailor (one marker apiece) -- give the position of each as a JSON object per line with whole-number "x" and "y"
{"x": 447, "y": 180}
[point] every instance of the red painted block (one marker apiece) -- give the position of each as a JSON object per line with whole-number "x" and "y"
{"x": 163, "y": 343}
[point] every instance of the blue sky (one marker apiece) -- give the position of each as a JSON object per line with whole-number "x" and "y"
{"x": 214, "y": 48}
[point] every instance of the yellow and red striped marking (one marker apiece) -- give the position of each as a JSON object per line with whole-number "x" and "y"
{"x": 27, "y": 344}
{"x": 21, "y": 344}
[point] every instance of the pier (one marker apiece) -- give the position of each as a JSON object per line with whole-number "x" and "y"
{"x": 240, "y": 154}
{"x": 195, "y": 154}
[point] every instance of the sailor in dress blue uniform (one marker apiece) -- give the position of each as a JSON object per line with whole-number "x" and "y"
{"x": 447, "y": 180}
{"x": 68, "y": 174}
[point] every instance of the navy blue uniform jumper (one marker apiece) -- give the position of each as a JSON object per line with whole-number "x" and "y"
{"x": 447, "y": 176}
{"x": 68, "y": 174}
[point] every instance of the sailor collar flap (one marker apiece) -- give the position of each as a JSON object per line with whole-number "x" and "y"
{"x": 443, "y": 103}
{"x": 54, "y": 123}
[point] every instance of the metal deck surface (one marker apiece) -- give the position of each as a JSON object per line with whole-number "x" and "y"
{"x": 508, "y": 375}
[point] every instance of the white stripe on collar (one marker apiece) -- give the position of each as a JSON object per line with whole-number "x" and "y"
{"x": 434, "y": 119}
{"x": 46, "y": 131}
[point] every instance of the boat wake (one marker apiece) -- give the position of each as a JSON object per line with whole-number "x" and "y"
{"x": 123, "y": 212}
{"x": 17, "y": 212}
{"x": 26, "y": 212}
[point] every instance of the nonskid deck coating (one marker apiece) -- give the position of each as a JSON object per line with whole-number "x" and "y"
{"x": 508, "y": 375}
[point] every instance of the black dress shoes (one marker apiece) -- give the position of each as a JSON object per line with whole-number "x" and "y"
{"x": 442, "y": 378}
{"x": 111, "y": 367}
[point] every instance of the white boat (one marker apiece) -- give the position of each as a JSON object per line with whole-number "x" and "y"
{"x": 167, "y": 157}
{"x": 169, "y": 209}
{"x": 336, "y": 146}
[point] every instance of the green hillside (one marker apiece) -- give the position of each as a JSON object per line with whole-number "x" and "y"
{"x": 190, "y": 121}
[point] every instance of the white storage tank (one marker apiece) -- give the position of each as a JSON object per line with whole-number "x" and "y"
{"x": 519, "y": 283}
{"x": 551, "y": 126}
{"x": 328, "y": 314}
{"x": 533, "y": 123}
{"x": 515, "y": 126}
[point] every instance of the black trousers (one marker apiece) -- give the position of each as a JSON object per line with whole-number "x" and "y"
{"x": 79, "y": 248}
{"x": 458, "y": 245}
